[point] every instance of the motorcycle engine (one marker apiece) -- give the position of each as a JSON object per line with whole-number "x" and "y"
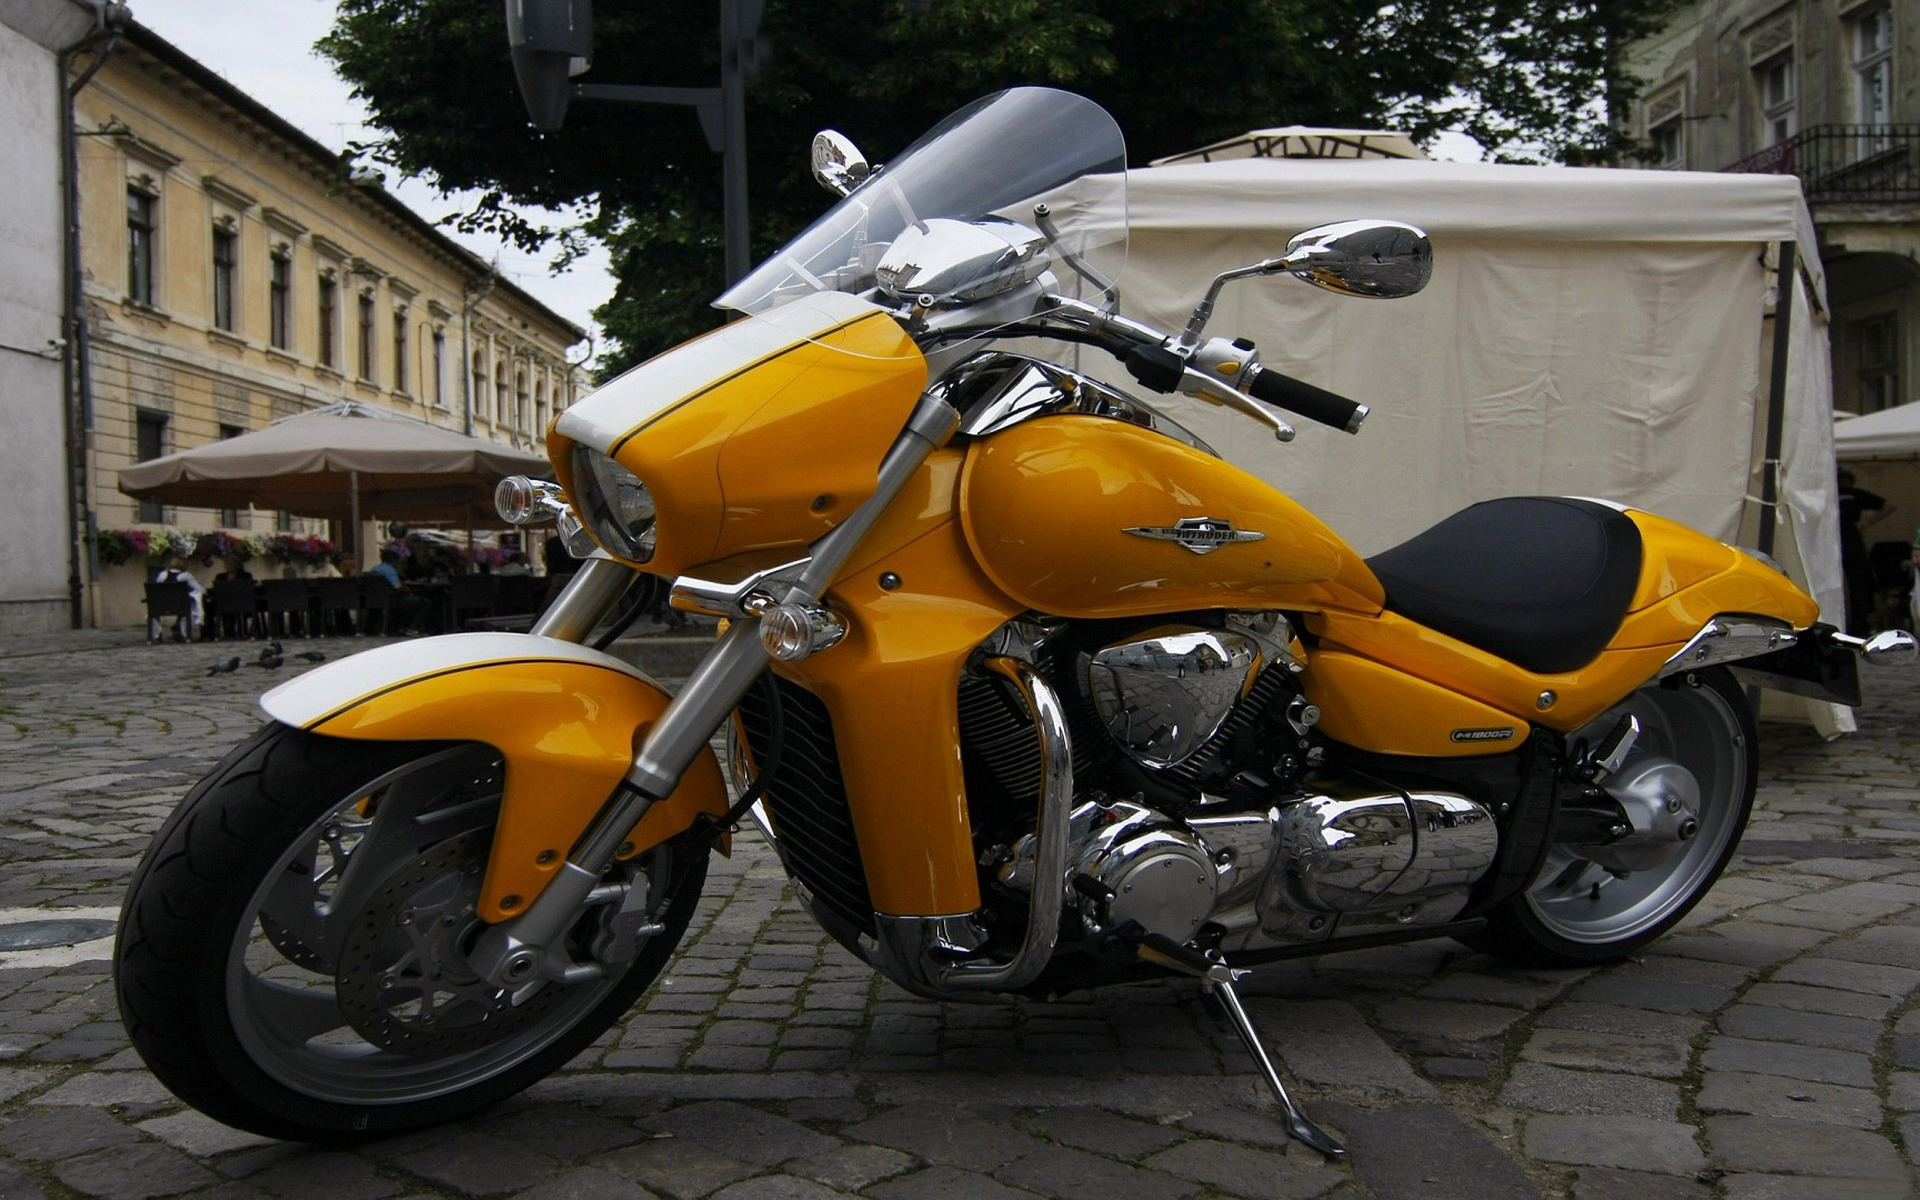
{"x": 1201, "y": 807}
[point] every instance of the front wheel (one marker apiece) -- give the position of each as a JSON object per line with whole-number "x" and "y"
{"x": 291, "y": 955}
{"x": 1691, "y": 779}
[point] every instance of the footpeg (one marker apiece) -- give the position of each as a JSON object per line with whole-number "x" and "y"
{"x": 1217, "y": 980}
{"x": 1613, "y": 749}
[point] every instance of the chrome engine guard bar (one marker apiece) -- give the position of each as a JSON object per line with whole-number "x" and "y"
{"x": 919, "y": 953}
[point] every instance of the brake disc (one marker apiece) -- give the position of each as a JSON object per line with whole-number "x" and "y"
{"x": 402, "y": 978}
{"x": 291, "y": 947}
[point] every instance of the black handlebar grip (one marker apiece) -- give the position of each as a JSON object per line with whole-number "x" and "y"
{"x": 1315, "y": 404}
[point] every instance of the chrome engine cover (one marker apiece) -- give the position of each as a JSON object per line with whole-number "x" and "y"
{"x": 1409, "y": 854}
{"x": 1324, "y": 856}
{"x": 1294, "y": 872}
{"x": 1164, "y": 694}
{"x": 1154, "y": 872}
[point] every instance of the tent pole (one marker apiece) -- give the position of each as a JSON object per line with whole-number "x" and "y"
{"x": 1788, "y": 283}
{"x": 353, "y": 530}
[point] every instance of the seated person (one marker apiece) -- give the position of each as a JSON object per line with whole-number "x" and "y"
{"x": 176, "y": 572}
{"x": 516, "y": 564}
{"x": 407, "y": 611}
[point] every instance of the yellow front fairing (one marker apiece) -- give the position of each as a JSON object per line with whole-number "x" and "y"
{"x": 762, "y": 435}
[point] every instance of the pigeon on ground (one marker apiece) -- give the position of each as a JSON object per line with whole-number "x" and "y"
{"x": 313, "y": 656}
{"x": 270, "y": 661}
{"x": 226, "y": 668}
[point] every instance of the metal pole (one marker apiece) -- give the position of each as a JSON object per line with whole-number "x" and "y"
{"x": 353, "y": 530}
{"x": 76, "y": 382}
{"x": 1787, "y": 282}
{"x": 733, "y": 160}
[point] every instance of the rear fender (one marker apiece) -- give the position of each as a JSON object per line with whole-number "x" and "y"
{"x": 564, "y": 718}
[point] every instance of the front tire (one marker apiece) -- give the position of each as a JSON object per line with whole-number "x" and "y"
{"x": 1576, "y": 912}
{"x": 290, "y": 954}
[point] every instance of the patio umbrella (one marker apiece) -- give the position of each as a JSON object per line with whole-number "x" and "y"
{"x": 339, "y": 462}
{"x": 1892, "y": 433}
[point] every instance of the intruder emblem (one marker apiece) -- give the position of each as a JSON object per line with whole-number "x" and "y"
{"x": 1202, "y": 535}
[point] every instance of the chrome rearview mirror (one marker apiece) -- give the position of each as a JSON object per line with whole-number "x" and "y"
{"x": 1381, "y": 259}
{"x": 838, "y": 165}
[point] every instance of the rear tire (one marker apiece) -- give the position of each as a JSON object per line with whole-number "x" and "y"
{"x": 1575, "y": 912}
{"x": 274, "y": 987}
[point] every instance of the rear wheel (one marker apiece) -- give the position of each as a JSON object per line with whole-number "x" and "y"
{"x": 291, "y": 957}
{"x": 1689, "y": 784}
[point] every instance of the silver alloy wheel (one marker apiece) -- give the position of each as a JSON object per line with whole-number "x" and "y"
{"x": 1696, "y": 729}
{"x": 302, "y": 964}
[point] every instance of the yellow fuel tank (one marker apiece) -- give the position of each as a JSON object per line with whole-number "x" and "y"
{"x": 1083, "y": 516}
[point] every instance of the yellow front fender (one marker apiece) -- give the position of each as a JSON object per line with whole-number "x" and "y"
{"x": 564, "y": 718}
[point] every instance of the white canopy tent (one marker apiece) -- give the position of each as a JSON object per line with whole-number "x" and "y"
{"x": 1892, "y": 433}
{"x": 1882, "y": 450}
{"x": 1587, "y": 332}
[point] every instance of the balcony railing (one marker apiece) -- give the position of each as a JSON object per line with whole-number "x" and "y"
{"x": 1846, "y": 164}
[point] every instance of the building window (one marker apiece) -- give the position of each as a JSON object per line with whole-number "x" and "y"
{"x": 149, "y": 442}
{"x": 230, "y": 517}
{"x": 400, "y": 350}
{"x": 521, "y": 416}
{"x": 366, "y": 338}
{"x": 280, "y": 302}
{"x": 479, "y": 387}
{"x": 501, "y": 397}
{"x": 1875, "y": 343}
{"x": 140, "y": 230}
{"x": 1873, "y": 74}
{"x": 439, "y": 368}
{"x": 1669, "y": 144}
{"x": 1778, "y": 90}
{"x": 329, "y": 322}
{"x": 225, "y": 243}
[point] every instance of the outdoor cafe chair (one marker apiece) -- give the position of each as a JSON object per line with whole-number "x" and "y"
{"x": 520, "y": 595}
{"x": 474, "y": 594}
{"x": 284, "y": 603}
{"x": 172, "y": 599}
{"x": 233, "y": 609}
{"x": 336, "y": 603}
{"x": 376, "y": 605}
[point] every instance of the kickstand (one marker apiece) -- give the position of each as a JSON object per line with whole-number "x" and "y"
{"x": 1217, "y": 980}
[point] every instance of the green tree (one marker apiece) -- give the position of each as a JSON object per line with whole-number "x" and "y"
{"x": 1524, "y": 77}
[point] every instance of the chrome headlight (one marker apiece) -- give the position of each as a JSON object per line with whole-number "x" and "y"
{"x": 614, "y": 505}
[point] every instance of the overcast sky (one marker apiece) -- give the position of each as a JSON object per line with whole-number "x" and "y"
{"x": 265, "y": 48}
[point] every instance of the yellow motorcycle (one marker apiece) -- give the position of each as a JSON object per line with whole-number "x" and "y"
{"x": 1030, "y": 690}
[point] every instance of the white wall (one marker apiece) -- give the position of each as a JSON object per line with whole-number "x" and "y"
{"x": 33, "y": 534}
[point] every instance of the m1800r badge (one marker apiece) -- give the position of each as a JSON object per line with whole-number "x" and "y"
{"x": 1202, "y": 535}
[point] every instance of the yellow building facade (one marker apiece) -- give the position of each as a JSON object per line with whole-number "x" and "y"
{"x": 234, "y": 275}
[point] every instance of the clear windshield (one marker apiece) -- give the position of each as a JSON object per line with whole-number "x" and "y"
{"x": 992, "y": 158}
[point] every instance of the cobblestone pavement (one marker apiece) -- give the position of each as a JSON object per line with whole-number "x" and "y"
{"x": 1768, "y": 1049}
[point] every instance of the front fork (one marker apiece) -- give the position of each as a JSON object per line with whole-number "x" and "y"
{"x": 516, "y": 952}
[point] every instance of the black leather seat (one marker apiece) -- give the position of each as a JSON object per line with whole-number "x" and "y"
{"x": 1541, "y": 581}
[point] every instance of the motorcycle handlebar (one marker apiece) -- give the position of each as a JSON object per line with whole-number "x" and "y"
{"x": 1315, "y": 404}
